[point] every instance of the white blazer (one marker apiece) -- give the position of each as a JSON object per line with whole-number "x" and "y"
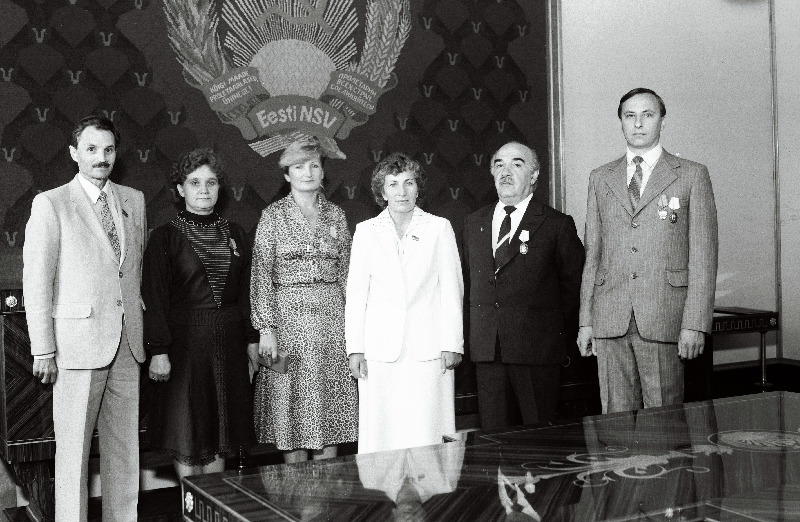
{"x": 404, "y": 293}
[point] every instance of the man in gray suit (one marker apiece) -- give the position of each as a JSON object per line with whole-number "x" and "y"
{"x": 647, "y": 293}
{"x": 81, "y": 277}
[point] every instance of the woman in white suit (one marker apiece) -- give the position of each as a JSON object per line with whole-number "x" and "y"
{"x": 403, "y": 315}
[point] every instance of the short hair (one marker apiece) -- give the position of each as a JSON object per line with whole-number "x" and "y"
{"x": 98, "y": 122}
{"x": 300, "y": 152}
{"x": 193, "y": 160}
{"x": 392, "y": 165}
{"x": 641, "y": 90}
{"x": 515, "y": 142}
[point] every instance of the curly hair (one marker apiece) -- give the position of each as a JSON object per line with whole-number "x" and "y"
{"x": 193, "y": 160}
{"x": 392, "y": 165}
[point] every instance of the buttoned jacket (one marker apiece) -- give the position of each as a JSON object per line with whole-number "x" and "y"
{"x": 529, "y": 301}
{"x": 76, "y": 290}
{"x": 404, "y": 293}
{"x": 657, "y": 261}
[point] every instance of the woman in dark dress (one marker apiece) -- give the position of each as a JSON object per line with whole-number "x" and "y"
{"x": 196, "y": 280}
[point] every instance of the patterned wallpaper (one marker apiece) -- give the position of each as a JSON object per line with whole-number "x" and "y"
{"x": 470, "y": 75}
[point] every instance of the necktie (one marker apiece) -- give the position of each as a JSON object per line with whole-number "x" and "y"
{"x": 635, "y": 186}
{"x": 505, "y": 228}
{"x": 108, "y": 223}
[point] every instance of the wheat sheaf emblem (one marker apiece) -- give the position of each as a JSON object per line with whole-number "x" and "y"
{"x": 286, "y": 70}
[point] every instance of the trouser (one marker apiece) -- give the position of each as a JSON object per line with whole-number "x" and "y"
{"x": 635, "y": 372}
{"x": 107, "y": 397}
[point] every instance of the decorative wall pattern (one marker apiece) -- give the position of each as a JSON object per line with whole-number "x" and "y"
{"x": 470, "y": 76}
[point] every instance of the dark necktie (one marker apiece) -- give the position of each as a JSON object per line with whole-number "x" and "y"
{"x": 505, "y": 228}
{"x": 108, "y": 223}
{"x": 635, "y": 186}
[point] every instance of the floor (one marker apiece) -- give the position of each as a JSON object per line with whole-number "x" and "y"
{"x": 165, "y": 504}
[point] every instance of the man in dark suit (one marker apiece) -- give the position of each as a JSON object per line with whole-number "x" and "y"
{"x": 522, "y": 265}
{"x": 647, "y": 298}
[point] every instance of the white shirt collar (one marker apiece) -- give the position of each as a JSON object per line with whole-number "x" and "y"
{"x": 516, "y": 218}
{"x": 91, "y": 189}
{"x": 650, "y": 157}
{"x": 522, "y": 205}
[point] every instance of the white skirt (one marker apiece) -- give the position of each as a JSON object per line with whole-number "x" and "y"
{"x": 404, "y": 404}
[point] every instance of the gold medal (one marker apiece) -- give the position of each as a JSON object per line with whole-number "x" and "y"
{"x": 523, "y": 248}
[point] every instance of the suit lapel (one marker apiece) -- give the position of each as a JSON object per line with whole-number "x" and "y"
{"x": 531, "y": 221}
{"x": 418, "y": 221}
{"x": 387, "y": 236}
{"x": 84, "y": 210}
{"x": 663, "y": 175}
{"x": 125, "y": 219}
{"x": 617, "y": 183}
{"x": 483, "y": 237}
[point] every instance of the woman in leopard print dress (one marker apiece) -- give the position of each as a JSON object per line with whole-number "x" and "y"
{"x": 300, "y": 262}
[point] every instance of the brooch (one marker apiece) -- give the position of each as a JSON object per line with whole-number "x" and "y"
{"x": 334, "y": 233}
{"x": 233, "y": 247}
{"x": 524, "y": 237}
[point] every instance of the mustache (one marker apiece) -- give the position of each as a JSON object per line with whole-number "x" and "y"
{"x": 101, "y": 165}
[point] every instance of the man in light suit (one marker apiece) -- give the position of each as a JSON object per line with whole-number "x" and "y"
{"x": 82, "y": 272}
{"x": 647, "y": 294}
{"x": 522, "y": 266}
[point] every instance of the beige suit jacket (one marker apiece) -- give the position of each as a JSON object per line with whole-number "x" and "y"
{"x": 76, "y": 292}
{"x": 636, "y": 261}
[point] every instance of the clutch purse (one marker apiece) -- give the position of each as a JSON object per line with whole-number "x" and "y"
{"x": 280, "y": 365}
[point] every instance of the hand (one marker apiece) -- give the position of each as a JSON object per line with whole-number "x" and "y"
{"x": 160, "y": 367}
{"x": 691, "y": 343}
{"x": 358, "y": 365}
{"x": 252, "y": 359}
{"x": 450, "y": 360}
{"x": 45, "y": 370}
{"x": 268, "y": 346}
{"x": 586, "y": 341}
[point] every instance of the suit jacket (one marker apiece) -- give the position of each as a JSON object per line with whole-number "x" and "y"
{"x": 404, "y": 293}
{"x": 636, "y": 261}
{"x": 76, "y": 292}
{"x": 531, "y": 303}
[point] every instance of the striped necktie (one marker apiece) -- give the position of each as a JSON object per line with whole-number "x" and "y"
{"x": 505, "y": 229}
{"x": 635, "y": 186}
{"x": 108, "y": 223}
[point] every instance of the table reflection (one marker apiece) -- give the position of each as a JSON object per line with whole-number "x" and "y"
{"x": 410, "y": 478}
{"x": 731, "y": 459}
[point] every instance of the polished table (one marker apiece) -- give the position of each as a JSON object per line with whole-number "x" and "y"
{"x": 734, "y": 459}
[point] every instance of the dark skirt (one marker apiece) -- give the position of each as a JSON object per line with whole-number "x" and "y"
{"x": 206, "y": 407}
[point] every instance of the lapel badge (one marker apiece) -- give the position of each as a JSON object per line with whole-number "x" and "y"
{"x": 674, "y": 204}
{"x": 124, "y": 213}
{"x": 334, "y": 233}
{"x": 662, "y": 206}
{"x": 523, "y": 237}
{"x": 415, "y": 238}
